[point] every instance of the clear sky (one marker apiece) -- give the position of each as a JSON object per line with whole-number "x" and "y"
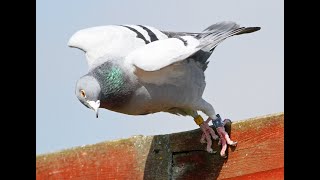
{"x": 245, "y": 77}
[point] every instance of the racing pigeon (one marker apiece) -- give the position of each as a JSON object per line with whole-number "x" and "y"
{"x": 138, "y": 70}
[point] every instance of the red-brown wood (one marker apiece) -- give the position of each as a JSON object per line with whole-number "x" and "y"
{"x": 115, "y": 160}
{"x": 273, "y": 174}
{"x": 260, "y": 147}
{"x": 259, "y": 155}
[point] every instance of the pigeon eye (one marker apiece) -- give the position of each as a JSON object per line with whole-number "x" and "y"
{"x": 83, "y": 93}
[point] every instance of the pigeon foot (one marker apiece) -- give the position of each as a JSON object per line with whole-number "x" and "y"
{"x": 208, "y": 132}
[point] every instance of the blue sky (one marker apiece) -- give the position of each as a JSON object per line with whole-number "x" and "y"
{"x": 245, "y": 77}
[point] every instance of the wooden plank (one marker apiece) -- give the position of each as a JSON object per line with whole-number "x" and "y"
{"x": 260, "y": 148}
{"x": 109, "y": 160}
{"x": 259, "y": 155}
{"x": 273, "y": 174}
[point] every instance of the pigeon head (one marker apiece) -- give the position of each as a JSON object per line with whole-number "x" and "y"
{"x": 88, "y": 92}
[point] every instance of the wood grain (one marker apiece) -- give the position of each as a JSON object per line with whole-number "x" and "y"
{"x": 259, "y": 155}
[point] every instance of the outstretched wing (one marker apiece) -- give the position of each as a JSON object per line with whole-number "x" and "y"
{"x": 113, "y": 40}
{"x": 160, "y": 54}
{"x": 120, "y": 40}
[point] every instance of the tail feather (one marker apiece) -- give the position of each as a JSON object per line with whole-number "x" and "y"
{"x": 249, "y": 30}
{"x": 221, "y": 27}
{"x": 216, "y": 33}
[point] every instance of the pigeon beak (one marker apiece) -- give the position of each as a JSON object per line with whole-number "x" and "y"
{"x": 95, "y": 106}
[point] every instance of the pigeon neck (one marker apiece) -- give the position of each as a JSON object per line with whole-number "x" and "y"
{"x": 116, "y": 85}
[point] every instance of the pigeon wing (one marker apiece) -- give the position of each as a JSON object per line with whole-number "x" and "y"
{"x": 112, "y": 41}
{"x": 159, "y": 54}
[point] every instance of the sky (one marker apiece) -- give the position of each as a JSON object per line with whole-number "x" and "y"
{"x": 245, "y": 77}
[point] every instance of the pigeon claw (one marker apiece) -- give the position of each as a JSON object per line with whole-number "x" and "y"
{"x": 208, "y": 132}
{"x": 234, "y": 143}
{"x": 224, "y": 156}
{"x": 211, "y": 151}
{"x": 202, "y": 141}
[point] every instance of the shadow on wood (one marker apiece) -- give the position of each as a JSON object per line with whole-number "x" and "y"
{"x": 259, "y": 154}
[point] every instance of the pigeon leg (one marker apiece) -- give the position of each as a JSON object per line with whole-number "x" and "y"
{"x": 223, "y": 133}
{"x": 223, "y": 146}
{"x": 210, "y": 130}
{"x": 225, "y": 139}
{"x": 207, "y": 132}
{"x": 207, "y": 108}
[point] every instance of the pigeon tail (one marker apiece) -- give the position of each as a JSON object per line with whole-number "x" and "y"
{"x": 214, "y": 35}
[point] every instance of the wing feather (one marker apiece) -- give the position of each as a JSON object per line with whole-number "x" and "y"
{"x": 162, "y": 53}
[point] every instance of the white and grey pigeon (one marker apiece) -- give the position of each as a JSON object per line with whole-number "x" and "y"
{"x": 138, "y": 70}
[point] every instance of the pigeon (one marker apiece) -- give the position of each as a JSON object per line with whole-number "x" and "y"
{"x": 139, "y": 70}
